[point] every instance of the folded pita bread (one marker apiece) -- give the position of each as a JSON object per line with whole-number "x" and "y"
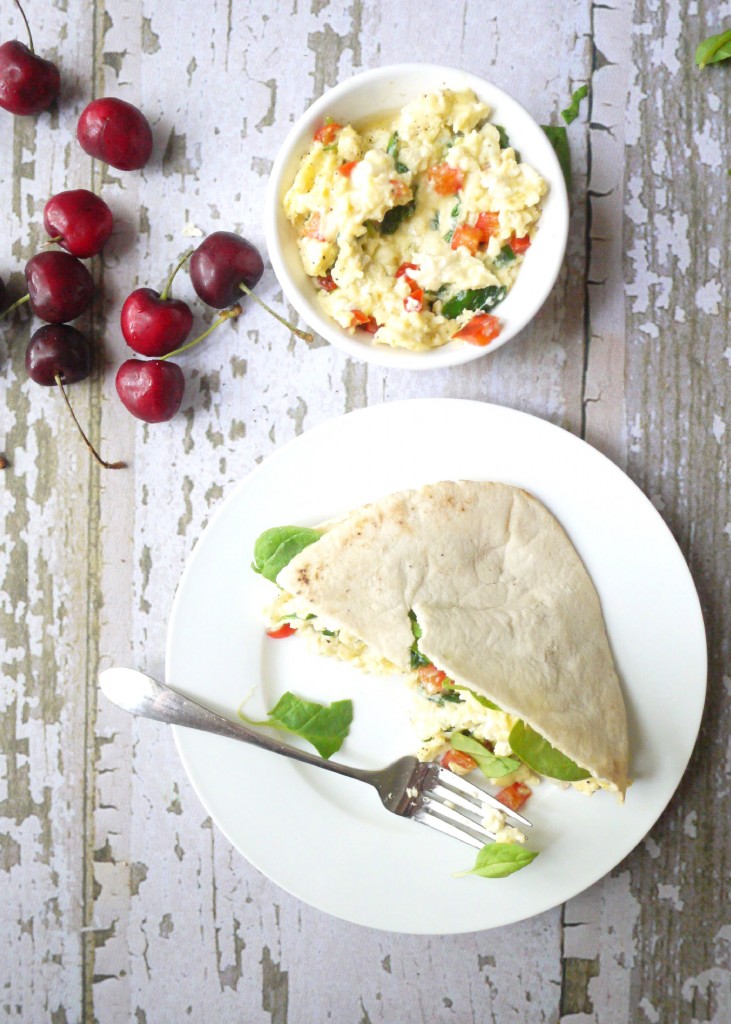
{"x": 504, "y": 602}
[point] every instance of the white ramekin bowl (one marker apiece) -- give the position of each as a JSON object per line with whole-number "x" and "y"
{"x": 388, "y": 89}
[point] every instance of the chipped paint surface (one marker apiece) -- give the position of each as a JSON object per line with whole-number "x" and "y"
{"x": 120, "y": 901}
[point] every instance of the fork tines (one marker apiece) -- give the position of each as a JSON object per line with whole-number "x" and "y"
{"x": 450, "y": 779}
{"x": 455, "y": 807}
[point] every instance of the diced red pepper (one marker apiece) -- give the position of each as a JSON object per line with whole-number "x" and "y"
{"x": 432, "y": 678}
{"x": 458, "y": 762}
{"x": 514, "y": 796}
{"x": 481, "y": 330}
{"x": 487, "y": 224}
{"x": 313, "y": 227}
{"x": 347, "y": 169}
{"x": 362, "y": 320}
{"x": 326, "y": 134}
{"x": 326, "y": 283}
{"x": 445, "y": 180}
{"x": 414, "y": 303}
{"x": 468, "y": 237}
{"x": 281, "y": 632}
{"x": 519, "y": 245}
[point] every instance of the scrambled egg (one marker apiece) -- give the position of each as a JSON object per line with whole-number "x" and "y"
{"x": 415, "y": 226}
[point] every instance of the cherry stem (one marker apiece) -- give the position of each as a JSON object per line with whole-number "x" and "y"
{"x": 15, "y": 305}
{"x": 225, "y": 314}
{"x": 166, "y": 290}
{"x": 305, "y": 335}
{"x": 52, "y": 241}
{"x": 27, "y": 26}
{"x": 87, "y": 442}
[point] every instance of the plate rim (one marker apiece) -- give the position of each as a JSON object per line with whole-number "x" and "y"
{"x": 388, "y": 408}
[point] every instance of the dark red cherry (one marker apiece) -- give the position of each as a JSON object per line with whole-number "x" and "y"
{"x": 79, "y": 221}
{"x": 58, "y": 350}
{"x": 59, "y": 286}
{"x": 28, "y": 83}
{"x": 220, "y": 264}
{"x": 116, "y": 132}
{"x": 59, "y": 355}
{"x": 154, "y": 326}
{"x": 152, "y": 391}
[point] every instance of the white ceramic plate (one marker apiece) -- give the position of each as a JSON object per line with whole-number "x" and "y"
{"x": 390, "y": 88}
{"x": 326, "y": 839}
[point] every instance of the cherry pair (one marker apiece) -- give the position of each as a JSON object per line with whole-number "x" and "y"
{"x": 155, "y": 325}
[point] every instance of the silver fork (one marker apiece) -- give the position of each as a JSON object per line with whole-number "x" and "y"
{"x": 425, "y": 792}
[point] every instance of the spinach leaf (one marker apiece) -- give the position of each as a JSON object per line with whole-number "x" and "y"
{"x": 474, "y": 299}
{"x": 498, "y": 860}
{"x": 434, "y": 222}
{"x": 491, "y": 766}
{"x": 324, "y": 726}
{"x": 479, "y": 698}
{"x": 455, "y": 209}
{"x": 543, "y": 758}
{"x": 572, "y": 111}
{"x": 714, "y": 49}
{"x": 505, "y": 256}
{"x": 277, "y": 547}
{"x": 448, "y": 236}
{"x": 559, "y": 139}
{"x": 504, "y": 140}
{"x": 445, "y": 696}
{"x": 393, "y": 217}
{"x": 392, "y": 149}
{"x": 417, "y": 658}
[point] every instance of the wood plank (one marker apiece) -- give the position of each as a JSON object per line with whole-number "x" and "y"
{"x": 123, "y": 902}
{"x": 49, "y": 587}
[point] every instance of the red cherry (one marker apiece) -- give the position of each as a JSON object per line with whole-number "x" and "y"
{"x": 59, "y": 286}
{"x": 220, "y": 264}
{"x": 116, "y": 132}
{"x": 28, "y": 83}
{"x": 58, "y": 350}
{"x": 152, "y": 391}
{"x": 79, "y": 221}
{"x": 58, "y": 355}
{"x": 154, "y": 326}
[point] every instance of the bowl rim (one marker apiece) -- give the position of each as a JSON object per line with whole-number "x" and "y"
{"x": 295, "y": 144}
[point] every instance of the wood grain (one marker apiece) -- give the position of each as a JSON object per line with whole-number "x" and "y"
{"x": 120, "y": 900}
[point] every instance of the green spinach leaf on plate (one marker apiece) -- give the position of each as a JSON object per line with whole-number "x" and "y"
{"x": 498, "y": 860}
{"x": 324, "y": 726}
{"x": 276, "y": 548}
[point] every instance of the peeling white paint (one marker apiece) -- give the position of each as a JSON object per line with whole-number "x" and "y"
{"x": 711, "y": 988}
{"x": 650, "y": 1012}
{"x": 690, "y": 824}
{"x": 708, "y": 297}
{"x": 671, "y": 893}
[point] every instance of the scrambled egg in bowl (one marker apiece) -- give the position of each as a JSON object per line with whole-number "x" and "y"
{"x": 415, "y": 226}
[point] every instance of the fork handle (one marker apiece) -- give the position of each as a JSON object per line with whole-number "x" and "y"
{"x": 146, "y": 697}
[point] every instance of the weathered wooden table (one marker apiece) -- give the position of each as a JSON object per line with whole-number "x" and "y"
{"x": 119, "y": 900}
